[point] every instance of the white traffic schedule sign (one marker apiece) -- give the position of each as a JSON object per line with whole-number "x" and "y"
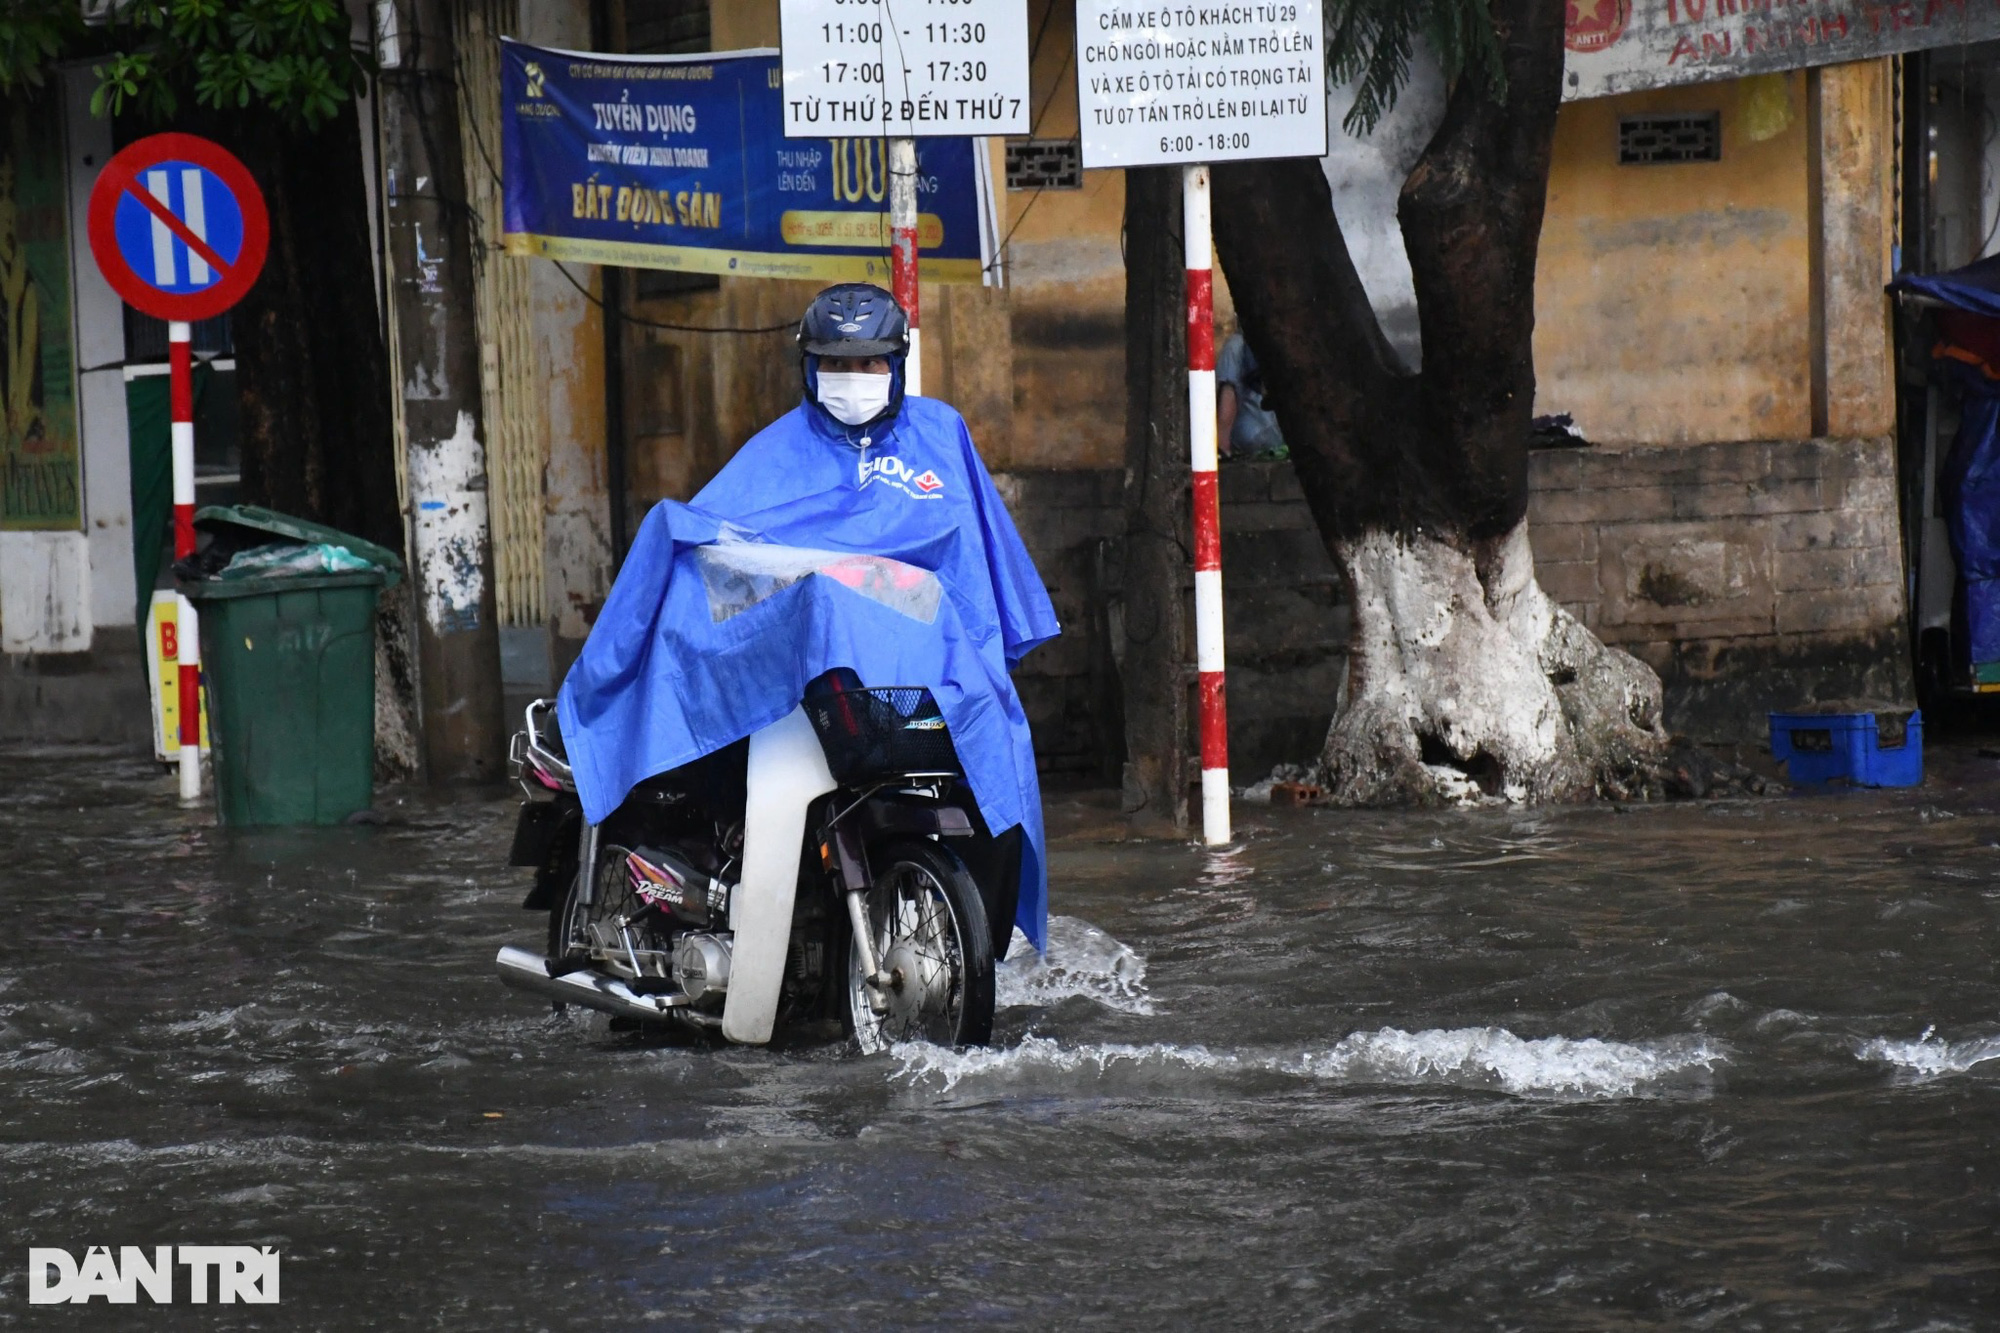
{"x": 1161, "y": 83}
{"x": 904, "y": 67}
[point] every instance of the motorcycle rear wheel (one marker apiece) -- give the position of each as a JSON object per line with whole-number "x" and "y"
{"x": 932, "y": 938}
{"x": 569, "y": 943}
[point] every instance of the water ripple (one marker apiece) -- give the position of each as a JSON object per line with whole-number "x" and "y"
{"x": 1478, "y": 1058}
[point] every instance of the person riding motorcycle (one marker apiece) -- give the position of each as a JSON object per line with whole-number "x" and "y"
{"x": 862, "y": 463}
{"x": 859, "y": 466}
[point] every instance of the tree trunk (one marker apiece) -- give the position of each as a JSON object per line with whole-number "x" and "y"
{"x": 1153, "y": 670}
{"x": 1464, "y": 679}
{"x": 312, "y": 370}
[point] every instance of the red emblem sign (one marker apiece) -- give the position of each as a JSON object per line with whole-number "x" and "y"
{"x": 178, "y": 227}
{"x": 1592, "y": 25}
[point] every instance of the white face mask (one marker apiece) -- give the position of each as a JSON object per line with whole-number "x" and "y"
{"x": 853, "y": 399}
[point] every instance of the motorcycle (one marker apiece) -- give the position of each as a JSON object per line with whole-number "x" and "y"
{"x": 832, "y": 867}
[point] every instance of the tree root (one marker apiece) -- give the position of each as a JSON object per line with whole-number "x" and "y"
{"x": 1467, "y": 683}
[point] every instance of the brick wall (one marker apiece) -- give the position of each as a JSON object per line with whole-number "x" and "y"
{"x": 1071, "y": 522}
{"x": 1751, "y": 576}
{"x": 1286, "y": 619}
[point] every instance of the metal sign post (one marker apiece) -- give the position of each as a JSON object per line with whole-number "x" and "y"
{"x": 903, "y": 252}
{"x": 1160, "y": 86}
{"x": 878, "y": 69}
{"x": 179, "y": 230}
{"x": 1207, "y": 505}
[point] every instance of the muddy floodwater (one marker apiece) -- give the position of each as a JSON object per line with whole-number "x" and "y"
{"x": 1732, "y": 1065}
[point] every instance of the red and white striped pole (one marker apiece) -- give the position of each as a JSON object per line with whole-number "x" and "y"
{"x": 903, "y": 251}
{"x": 1207, "y": 505}
{"x": 187, "y": 634}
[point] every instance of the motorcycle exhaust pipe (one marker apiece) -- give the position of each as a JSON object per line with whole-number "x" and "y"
{"x": 526, "y": 971}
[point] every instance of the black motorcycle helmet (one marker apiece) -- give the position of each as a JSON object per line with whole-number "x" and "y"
{"x": 854, "y": 319}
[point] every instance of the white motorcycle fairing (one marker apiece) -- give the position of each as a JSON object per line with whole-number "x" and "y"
{"x": 787, "y": 771}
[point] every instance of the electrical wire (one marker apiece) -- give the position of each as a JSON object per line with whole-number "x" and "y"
{"x": 1035, "y": 47}
{"x": 1000, "y": 251}
{"x": 486, "y": 157}
{"x": 661, "y": 323}
{"x": 999, "y": 256}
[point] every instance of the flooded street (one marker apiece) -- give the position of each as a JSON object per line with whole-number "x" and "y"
{"x": 1732, "y": 1065}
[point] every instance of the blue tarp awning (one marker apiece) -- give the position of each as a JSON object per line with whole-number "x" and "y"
{"x": 1974, "y": 288}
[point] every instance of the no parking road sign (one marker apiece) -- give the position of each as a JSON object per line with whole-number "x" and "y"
{"x": 179, "y": 231}
{"x": 178, "y": 227}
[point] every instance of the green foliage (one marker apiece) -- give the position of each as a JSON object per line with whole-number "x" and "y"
{"x": 293, "y": 57}
{"x": 33, "y": 33}
{"x": 1373, "y": 41}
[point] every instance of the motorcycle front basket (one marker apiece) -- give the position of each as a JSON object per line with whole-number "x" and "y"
{"x": 895, "y": 731}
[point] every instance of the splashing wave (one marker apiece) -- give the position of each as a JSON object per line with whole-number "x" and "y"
{"x": 1082, "y": 961}
{"x": 1926, "y": 1058}
{"x": 1461, "y": 1057}
{"x": 1496, "y": 1058}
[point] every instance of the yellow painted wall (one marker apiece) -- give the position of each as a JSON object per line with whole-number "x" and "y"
{"x": 1067, "y": 279}
{"x": 736, "y": 24}
{"x": 1705, "y": 302}
{"x": 1672, "y": 303}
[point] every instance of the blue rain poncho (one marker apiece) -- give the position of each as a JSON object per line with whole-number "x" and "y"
{"x": 1969, "y": 479}
{"x": 712, "y": 631}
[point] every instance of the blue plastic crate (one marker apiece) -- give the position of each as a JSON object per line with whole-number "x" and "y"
{"x": 1845, "y": 747}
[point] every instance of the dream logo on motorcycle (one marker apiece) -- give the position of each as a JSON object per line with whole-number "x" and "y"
{"x": 925, "y": 485}
{"x": 240, "y": 1273}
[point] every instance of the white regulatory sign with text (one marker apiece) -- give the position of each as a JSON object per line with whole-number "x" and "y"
{"x": 1161, "y": 83}
{"x": 904, "y": 67}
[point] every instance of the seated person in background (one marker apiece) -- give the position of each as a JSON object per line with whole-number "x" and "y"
{"x": 1245, "y": 426}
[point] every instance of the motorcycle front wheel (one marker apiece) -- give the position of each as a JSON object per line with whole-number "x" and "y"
{"x": 932, "y": 940}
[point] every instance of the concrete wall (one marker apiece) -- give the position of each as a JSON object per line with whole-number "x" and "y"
{"x": 1066, "y": 279}
{"x": 1752, "y": 575}
{"x": 99, "y": 323}
{"x": 1366, "y": 173}
{"x": 1286, "y": 618}
{"x": 1854, "y": 390}
{"x": 98, "y": 697}
{"x": 45, "y": 592}
{"x": 71, "y": 667}
{"x": 1073, "y": 521}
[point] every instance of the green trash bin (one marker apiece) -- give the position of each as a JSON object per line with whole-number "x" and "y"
{"x": 289, "y": 660}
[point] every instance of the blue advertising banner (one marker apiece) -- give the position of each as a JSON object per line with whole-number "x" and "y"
{"x": 680, "y": 162}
